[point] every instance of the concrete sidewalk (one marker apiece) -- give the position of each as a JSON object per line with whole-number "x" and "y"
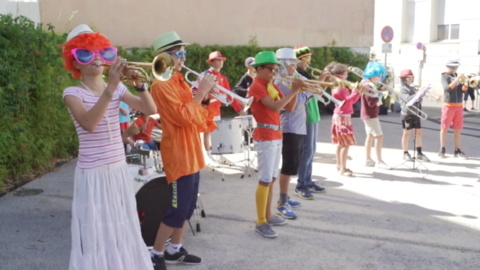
{"x": 381, "y": 219}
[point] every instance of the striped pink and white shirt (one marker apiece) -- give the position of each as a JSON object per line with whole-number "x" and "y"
{"x": 104, "y": 145}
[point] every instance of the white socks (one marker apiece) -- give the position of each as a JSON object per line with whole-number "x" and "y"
{"x": 154, "y": 252}
{"x": 173, "y": 248}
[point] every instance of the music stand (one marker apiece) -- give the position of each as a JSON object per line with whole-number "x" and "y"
{"x": 409, "y": 120}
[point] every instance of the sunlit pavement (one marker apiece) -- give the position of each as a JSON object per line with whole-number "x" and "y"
{"x": 380, "y": 219}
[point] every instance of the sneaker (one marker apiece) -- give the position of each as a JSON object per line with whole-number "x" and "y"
{"x": 181, "y": 257}
{"x": 304, "y": 193}
{"x": 286, "y": 211}
{"x": 441, "y": 154}
{"x": 293, "y": 204}
{"x": 383, "y": 165}
{"x": 370, "y": 163}
{"x": 315, "y": 188}
{"x": 465, "y": 110}
{"x": 158, "y": 263}
{"x": 422, "y": 157}
{"x": 459, "y": 154}
{"x": 407, "y": 157}
{"x": 265, "y": 230}
{"x": 277, "y": 221}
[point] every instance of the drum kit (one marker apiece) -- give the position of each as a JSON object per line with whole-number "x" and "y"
{"x": 228, "y": 139}
{"x": 152, "y": 190}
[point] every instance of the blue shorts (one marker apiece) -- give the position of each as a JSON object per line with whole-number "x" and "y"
{"x": 183, "y": 199}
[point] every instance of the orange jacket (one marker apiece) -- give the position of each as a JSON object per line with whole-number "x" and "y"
{"x": 182, "y": 121}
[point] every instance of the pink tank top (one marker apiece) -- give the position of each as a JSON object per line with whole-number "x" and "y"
{"x": 104, "y": 145}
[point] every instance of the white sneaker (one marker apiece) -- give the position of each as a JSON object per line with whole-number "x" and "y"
{"x": 383, "y": 165}
{"x": 370, "y": 163}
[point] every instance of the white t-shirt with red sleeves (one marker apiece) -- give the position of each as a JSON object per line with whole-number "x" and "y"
{"x": 104, "y": 145}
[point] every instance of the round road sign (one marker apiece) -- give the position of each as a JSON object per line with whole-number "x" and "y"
{"x": 387, "y": 34}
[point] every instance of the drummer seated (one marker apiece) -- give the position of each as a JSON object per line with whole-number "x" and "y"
{"x": 146, "y": 125}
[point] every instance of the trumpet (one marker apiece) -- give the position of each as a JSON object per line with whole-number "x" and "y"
{"x": 162, "y": 69}
{"x": 319, "y": 71}
{"x": 469, "y": 80}
{"x": 246, "y": 102}
{"x": 315, "y": 87}
{"x": 392, "y": 92}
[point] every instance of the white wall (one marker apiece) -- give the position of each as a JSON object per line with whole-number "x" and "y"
{"x": 27, "y": 8}
{"x": 426, "y": 18}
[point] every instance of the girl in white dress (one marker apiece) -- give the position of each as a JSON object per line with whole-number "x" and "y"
{"x": 105, "y": 225}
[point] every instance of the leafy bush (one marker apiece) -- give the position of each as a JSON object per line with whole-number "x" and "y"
{"x": 35, "y": 124}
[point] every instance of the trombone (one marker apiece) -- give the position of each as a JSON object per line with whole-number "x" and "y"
{"x": 421, "y": 114}
{"x": 245, "y": 101}
{"x": 315, "y": 87}
{"x": 162, "y": 69}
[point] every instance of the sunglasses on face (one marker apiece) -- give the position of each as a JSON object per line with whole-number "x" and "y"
{"x": 273, "y": 70}
{"x": 452, "y": 67}
{"x": 181, "y": 54}
{"x": 85, "y": 57}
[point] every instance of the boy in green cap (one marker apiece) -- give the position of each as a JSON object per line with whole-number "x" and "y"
{"x": 266, "y": 106}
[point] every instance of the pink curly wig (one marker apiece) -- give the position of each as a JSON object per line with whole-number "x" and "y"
{"x": 89, "y": 41}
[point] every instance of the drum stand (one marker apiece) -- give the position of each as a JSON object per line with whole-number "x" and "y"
{"x": 202, "y": 213}
{"x": 414, "y": 159}
{"x": 247, "y": 161}
{"x": 220, "y": 146}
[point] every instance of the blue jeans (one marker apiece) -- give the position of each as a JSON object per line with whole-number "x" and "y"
{"x": 150, "y": 146}
{"x": 308, "y": 153}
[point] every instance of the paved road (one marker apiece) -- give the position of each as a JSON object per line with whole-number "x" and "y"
{"x": 382, "y": 219}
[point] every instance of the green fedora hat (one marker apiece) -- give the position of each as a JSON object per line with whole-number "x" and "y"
{"x": 266, "y": 57}
{"x": 166, "y": 41}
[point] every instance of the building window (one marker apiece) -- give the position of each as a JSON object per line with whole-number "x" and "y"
{"x": 448, "y": 32}
{"x": 448, "y": 19}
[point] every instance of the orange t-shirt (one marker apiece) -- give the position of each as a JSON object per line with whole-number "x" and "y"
{"x": 146, "y": 135}
{"x": 262, "y": 114}
{"x": 182, "y": 121}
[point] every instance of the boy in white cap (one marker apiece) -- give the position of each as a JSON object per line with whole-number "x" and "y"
{"x": 244, "y": 83}
{"x": 452, "y": 110}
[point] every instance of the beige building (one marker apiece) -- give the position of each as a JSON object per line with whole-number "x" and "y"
{"x": 223, "y": 22}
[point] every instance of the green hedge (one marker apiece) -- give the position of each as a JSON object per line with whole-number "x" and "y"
{"x": 35, "y": 125}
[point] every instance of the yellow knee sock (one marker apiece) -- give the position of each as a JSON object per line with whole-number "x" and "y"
{"x": 261, "y": 197}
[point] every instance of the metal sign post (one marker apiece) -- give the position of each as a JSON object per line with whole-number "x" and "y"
{"x": 387, "y": 37}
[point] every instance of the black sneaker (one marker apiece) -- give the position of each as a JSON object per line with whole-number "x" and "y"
{"x": 159, "y": 262}
{"x": 422, "y": 157}
{"x": 407, "y": 157}
{"x": 459, "y": 154}
{"x": 181, "y": 257}
{"x": 441, "y": 153}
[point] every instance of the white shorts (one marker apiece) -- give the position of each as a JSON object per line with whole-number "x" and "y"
{"x": 269, "y": 154}
{"x": 372, "y": 126}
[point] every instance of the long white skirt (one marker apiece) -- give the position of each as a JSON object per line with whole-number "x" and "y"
{"x": 105, "y": 225}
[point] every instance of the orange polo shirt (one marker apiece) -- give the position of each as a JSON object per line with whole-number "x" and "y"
{"x": 182, "y": 121}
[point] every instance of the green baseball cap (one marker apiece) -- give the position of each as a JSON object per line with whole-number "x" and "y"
{"x": 266, "y": 57}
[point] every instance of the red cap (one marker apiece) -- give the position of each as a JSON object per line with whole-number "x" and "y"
{"x": 406, "y": 73}
{"x": 215, "y": 55}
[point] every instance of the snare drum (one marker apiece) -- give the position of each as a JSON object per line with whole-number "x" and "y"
{"x": 248, "y": 122}
{"x": 153, "y": 199}
{"x": 227, "y": 138}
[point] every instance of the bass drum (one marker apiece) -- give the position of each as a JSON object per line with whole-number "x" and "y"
{"x": 153, "y": 200}
{"x": 227, "y": 138}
